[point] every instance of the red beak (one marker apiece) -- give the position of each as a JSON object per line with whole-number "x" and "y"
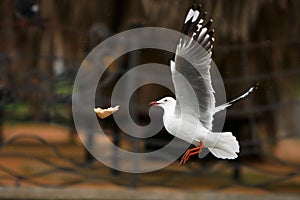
{"x": 153, "y": 103}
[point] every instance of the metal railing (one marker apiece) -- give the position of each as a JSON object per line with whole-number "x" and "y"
{"x": 55, "y": 101}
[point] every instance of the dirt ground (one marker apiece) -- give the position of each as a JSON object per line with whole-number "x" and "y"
{"x": 29, "y": 162}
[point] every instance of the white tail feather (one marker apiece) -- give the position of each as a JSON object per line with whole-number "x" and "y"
{"x": 226, "y": 146}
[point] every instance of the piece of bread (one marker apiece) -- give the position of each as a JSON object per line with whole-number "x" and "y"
{"x": 103, "y": 113}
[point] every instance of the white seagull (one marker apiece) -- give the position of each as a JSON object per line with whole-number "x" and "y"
{"x": 183, "y": 118}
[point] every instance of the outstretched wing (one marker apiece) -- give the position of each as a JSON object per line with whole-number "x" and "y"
{"x": 192, "y": 64}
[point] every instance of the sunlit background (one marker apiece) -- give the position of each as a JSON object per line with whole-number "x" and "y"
{"x": 42, "y": 44}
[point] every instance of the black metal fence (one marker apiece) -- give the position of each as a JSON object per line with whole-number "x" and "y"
{"x": 256, "y": 166}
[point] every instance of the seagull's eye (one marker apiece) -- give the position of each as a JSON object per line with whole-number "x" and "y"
{"x": 165, "y": 100}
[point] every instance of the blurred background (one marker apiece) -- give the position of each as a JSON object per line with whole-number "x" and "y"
{"x": 44, "y": 42}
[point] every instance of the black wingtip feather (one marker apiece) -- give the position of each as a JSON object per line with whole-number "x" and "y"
{"x": 208, "y": 24}
{"x": 203, "y": 16}
{"x": 194, "y": 28}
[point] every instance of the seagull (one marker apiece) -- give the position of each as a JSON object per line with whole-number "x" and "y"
{"x": 184, "y": 117}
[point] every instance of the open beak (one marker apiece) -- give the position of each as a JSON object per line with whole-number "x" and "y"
{"x": 153, "y": 103}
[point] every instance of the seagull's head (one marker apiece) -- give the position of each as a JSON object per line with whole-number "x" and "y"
{"x": 166, "y": 103}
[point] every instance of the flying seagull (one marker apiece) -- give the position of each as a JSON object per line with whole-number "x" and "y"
{"x": 183, "y": 118}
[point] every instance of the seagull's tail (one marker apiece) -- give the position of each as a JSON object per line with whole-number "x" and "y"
{"x": 225, "y": 147}
{"x": 225, "y": 105}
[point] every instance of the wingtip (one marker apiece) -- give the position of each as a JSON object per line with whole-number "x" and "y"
{"x": 194, "y": 13}
{"x": 197, "y": 27}
{"x": 189, "y": 16}
{"x": 208, "y": 24}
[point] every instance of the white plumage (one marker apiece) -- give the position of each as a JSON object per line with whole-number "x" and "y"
{"x": 190, "y": 116}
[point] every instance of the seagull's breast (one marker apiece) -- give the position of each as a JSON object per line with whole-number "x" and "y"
{"x": 187, "y": 128}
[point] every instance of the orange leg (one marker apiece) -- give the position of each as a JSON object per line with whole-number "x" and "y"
{"x": 191, "y": 152}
